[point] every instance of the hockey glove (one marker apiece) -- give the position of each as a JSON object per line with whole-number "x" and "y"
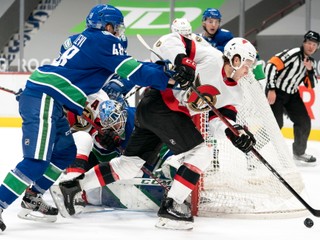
{"x": 110, "y": 140}
{"x": 167, "y": 67}
{"x": 185, "y": 71}
{"x": 245, "y": 141}
{"x": 18, "y": 94}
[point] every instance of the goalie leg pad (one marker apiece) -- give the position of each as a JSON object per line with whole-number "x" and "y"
{"x": 127, "y": 167}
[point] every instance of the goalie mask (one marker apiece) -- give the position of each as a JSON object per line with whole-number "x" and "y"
{"x": 240, "y": 47}
{"x": 182, "y": 26}
{"x": 113, "y": 116}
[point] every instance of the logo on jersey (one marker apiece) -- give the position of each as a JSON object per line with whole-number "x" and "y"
{"x": 198, "y": 38}
{"x": 80, "y": 124}
{"x": 27, "y": 142}
{"x": 209, "y": 92}
{"x": 158, "y": 44}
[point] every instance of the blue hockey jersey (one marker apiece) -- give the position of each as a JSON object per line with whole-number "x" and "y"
{"x": 84, "y": 68}
{"x": 219, "y": 39}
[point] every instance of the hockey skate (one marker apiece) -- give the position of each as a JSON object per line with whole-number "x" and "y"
{"x": 68, "y": 197}
{"x": 36, "y": 209}
{"x": 174, "y": 216}
{"x": 305, "y": 160}
{"x": 2, "y": 225}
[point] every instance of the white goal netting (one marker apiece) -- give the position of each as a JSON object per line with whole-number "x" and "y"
{"x": 237, "y": 184}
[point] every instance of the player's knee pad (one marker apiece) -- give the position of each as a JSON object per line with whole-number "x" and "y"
{"x": 84, "y": 142}
{"x": 198, "y": 158}
{"x": 31, "y": 168}
{"x": 127, "y": 167}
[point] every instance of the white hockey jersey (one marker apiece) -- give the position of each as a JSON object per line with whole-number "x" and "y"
{"x": 212, "y": 79}
{"x": 92, "y": 111}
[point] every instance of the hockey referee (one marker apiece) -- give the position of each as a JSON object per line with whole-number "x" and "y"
{"x": 284, "y": 73}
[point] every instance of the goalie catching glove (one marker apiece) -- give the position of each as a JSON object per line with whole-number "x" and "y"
{"x": 109, "y": 140}
{"x": 185, "y": 71}
{"x": 244, "y": 141}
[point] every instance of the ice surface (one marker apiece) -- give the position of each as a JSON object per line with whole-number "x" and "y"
{"x": 131, "y": 225}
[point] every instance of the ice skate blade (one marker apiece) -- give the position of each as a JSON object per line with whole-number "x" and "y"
{"x": 301, "y": 163}
{"x": 166, "y": 223}
{"x": 28, "y": 214}
{"x": 59, "y": 200}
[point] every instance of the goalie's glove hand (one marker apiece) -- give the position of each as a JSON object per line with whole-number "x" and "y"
{"x": 245, "y": 141}
{"x": 109, "y": 140}
{"x": 185, "y": 71}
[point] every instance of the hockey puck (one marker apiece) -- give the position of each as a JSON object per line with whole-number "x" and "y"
{"x": 308, "y": 223}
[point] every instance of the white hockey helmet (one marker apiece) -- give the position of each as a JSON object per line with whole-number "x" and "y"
{"x": 181, "y": 26}
{"x": 243, "y": 48}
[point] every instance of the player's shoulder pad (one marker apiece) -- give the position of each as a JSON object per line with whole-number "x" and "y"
{"x": 197, "y": 38}
{"x": 68, "y": 42}
{"x": 167, "y": 38}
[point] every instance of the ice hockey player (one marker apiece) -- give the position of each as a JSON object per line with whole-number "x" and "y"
{"x": 47, "y": 212}
{"x": 212, "y": 32}
{"x": 116, "y": 121}
{"x": 48, "y": 145}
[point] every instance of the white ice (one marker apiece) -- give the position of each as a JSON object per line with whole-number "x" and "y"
{"x": 130, "y": 225}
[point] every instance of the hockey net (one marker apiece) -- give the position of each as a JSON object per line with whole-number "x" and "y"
{"x": 239, "y": 185}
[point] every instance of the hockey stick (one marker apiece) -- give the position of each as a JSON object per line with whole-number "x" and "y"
{"x": 145, "y": 44}
{"x": 10, "y": 91}
{"x": 93, "y": 124}
{"x": 129, "y": 94}
{"x": 314, "y": 212}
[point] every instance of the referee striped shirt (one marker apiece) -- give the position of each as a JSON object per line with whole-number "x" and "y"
{"x": 286, "y": 71}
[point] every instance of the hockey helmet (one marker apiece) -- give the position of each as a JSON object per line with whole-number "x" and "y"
{"x": 103, "y": 14}
{"x": 113, "y": 116}
{"x": 243, "y": 48}
{"x": 181, "y": 26}
{"x": 211, "y": 13}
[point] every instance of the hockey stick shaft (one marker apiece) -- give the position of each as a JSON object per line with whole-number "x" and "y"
{"x": 129, "y": 94}
{"x": 93, "y": 124}
{"x": 313, "y": 211}
{"x": 146, "y": 45}
{"x": 9, "y": 90}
